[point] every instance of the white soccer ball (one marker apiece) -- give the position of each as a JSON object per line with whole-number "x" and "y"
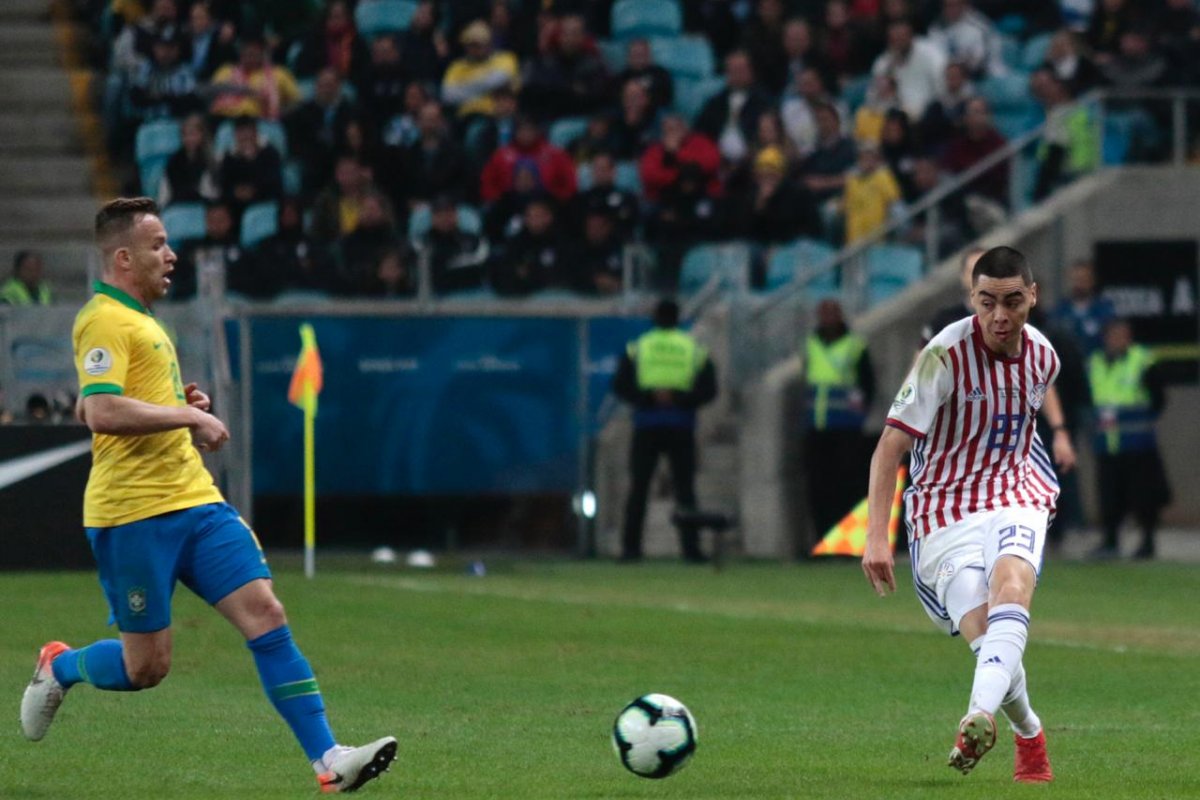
{"x": 421, "y": 559}
{"x": 383, "y": 555}
{"x": 654, "y": 736}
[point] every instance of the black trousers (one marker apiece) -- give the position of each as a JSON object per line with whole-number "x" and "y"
{"x": 837, "y": 468}
{"x": 1132, "y": 483}
{"x": 679, "y": 445}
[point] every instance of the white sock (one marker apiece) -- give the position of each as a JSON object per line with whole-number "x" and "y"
{"x": 1025, "y": 723}
{"x": 999, "y": 656}
{"x": 322, "y": 765}
{"x": 1021, "y": 717}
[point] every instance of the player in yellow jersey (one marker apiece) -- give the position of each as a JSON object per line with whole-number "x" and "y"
{"x": 154, "y": 517}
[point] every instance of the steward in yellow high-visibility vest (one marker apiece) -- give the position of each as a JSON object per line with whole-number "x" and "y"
{"x": 26, "y": 287}
{"x": 666, "y": 375}
{"x": 839, "y": 386}
{"x": 1128, "y": 397}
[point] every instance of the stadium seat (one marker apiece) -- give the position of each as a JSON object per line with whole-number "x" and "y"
{"x": 628, "y": 177}
{"x": 729, "y": 263}
{"x": 270, "y": 130}
{"x": 1014, "y": 122}
{"x": 259, "y": 221}
{"x": 184, "y": 222}
{"x": 469, "y": 220}
{"x": 692, "y": 94}
{"x": 150, "y": 174}
{"x": 684, "y": 56}
{"x": 1006, "y": 92}
{"x": 613, "y": 53}
{"x": 156, "y": 141}
{"x": 1011, "y": 51}
{"x": 891, "y": 268}
{"x": 854, "y": 92}
{"x": 375, "y": 17}
{"x": 1035, "y": 51}
{"x": 293, "y": 177}
{"x": 633, "y": 18}
{"x": 1118, "y": 136}
{"x": 566, "y": 130}
{"x": 794, "y": 260}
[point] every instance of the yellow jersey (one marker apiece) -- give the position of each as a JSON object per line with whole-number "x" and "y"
{"x": 120, "y": 348}
{"x": 868, "y": 200}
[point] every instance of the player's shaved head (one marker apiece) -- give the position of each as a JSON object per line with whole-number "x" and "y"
{"x": 117, "y": 218}
{"x": 1002, "y": 262}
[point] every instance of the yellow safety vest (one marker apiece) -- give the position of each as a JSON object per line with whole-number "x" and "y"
{"x": 832, "y": 374}
{"x": 1124, "y": 416}
{"x": 16, "y": 293}
{"x": 667, "y": 359}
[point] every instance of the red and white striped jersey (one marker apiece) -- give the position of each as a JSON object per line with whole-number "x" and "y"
{"x": 973, "y": 414}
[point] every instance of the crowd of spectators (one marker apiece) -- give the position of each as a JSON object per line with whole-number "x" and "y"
{"x": 432, "y": 139}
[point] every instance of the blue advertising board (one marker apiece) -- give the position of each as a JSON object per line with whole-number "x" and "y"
{"x": 419, "y": 406}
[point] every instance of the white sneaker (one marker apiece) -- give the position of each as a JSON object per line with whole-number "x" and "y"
{"x": 43, "y": 695}
{"x": 350, "y": 767}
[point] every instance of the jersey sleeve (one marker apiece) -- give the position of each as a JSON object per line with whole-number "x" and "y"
{"x": 101, "y": 357}
{"x": 926, "y": 388}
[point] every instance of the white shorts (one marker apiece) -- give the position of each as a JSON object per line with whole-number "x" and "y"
{"x": 953, "y": 565}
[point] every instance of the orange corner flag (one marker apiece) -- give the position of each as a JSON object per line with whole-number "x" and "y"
{"x": 307, "y": 378}
{"x": 849, "y": 537}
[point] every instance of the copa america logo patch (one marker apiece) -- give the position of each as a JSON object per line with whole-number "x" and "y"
{"x": 1037, "y": 395}
{"x": 97, "y": 361}
{"x": 906, "y": 396}
{"x": 945, "y": 571}
{"x": 137, "y": 600}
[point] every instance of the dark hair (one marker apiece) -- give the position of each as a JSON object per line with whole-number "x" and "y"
{"x": 666, "y": 313}
{"x": 1002, "y": 262}
{"x": 19, "y": 258}
{"x": 117, "y": 217}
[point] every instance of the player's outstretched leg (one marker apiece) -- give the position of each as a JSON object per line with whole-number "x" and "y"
{"x": 348, "y": 768}
{"x": 976, "y": 736}
{"x": 1031, "y": 764}
{"x": 101, "y": 664}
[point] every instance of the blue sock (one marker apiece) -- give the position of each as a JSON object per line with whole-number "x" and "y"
{"x": 292, "y": 689}
{"x": 102, "y": 664}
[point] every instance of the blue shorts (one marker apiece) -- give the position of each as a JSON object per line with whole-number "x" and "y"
{"x": 210, "y": 548}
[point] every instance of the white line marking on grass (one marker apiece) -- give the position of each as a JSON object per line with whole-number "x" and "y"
{"x": 795, "y": 614}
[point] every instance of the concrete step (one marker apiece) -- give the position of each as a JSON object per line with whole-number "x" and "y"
{"x": 45, "y": 220}
{"x": 45, "y": 174}
{"x": 51, "y": 131}
{"x": 24, "y": 11}
{"x": 35, "y": 88}
{"x": 28, "y": 45}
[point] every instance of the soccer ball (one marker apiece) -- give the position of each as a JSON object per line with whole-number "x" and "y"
{"x": 654, "y": 736}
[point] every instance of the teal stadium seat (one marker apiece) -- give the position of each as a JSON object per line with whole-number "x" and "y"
{"x": 634, "y": 18}
{"x": 566, "y": 130}
{"x": 613, "y": 53}
{"x": 729, "y": 263}
{"x": 793, "y": 261}
{"x": 891, "y": 268}
{"x": 293, "y": 177}
{"x": 259, "y": 221}
{"x": 628, "y": 177}
{"x": 184, "y": 222}
{"x": 1011, "y": 51}
{"x": 155, "y": 142}
{"x": 469, "y": 221}
{"x": 1035, "y": 51}
{"x": 1118, "y": 137}
{"x": 270, "y": 130}
{"x": 1014, "y": 122}
{"x": 855, "y": 92}
{"x": 1007, "y": 92}
{"x": 692, "y": 94}
{"x": 377, "y": 17}
{"x": 684, "y": 56}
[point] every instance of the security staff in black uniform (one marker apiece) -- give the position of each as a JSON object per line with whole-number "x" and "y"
{"x": 666, "y": 376}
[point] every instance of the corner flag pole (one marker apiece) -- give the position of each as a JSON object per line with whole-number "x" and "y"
{"x": 307, "y": 380}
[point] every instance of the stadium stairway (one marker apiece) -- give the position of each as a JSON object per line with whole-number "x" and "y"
{"x": 46, "y": 175}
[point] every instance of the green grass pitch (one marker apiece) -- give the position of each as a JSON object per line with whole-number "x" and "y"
{"x": 803, "y": 683}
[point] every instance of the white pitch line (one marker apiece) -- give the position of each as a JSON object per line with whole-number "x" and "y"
{"x": 479, "y": 589}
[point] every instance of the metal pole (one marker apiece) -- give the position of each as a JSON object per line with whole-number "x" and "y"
{"x": 932, "y": 220}
{"x": 246, "y": 359}
{"x": 1178, "y": 130}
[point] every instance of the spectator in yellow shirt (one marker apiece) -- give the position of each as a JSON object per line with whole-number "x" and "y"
{"x": 471, "y": 80}
{"x": 253, "y": 87}
{"x": 871, "y": 193}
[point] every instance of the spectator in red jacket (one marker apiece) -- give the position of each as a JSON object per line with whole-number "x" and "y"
{"x": 661, "y": 162}
{"x": 978, "y": 139}
{"x": 555, "y": 168}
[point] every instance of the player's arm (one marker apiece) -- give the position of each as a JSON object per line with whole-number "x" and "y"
{"x": 877, "y": 560}
{"x": 118, "y": 415}
{"x": 1061, "y": 446}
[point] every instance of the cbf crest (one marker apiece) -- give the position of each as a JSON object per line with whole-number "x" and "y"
{"x": 137, "y": 600}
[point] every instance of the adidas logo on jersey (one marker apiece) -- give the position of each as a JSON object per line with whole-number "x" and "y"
{"x": 974, "y": 394}
{"x": 994, "y": 660}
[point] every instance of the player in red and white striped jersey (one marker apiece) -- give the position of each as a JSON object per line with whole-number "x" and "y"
{"x": 982, "y": 496}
